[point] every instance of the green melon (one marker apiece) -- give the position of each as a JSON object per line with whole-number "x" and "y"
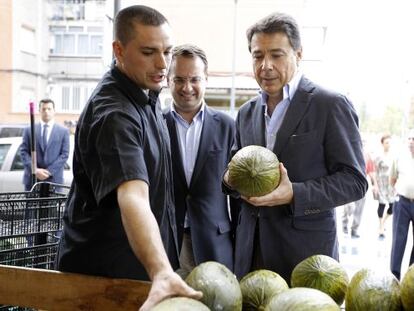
{"x": 220, "y": 288}
{"x": 254, "y": 171}
{"x": 180, "y": 304}
{"x": 302, "y": 299}
{"x": 407, "y": 289}
{"x": 259, "y": 286}
{"x": 373, "y": 290}
{"x": 323, "y": 273}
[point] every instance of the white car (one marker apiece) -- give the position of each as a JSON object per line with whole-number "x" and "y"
{"x": 11, "y": 165}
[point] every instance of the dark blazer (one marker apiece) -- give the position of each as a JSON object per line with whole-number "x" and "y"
{"x": 203, "y": 200}
{"x": 52, "y": 158}
{"x": 320, "y": 146}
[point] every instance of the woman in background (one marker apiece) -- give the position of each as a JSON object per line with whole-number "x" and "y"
{"x": 384, "y": 193}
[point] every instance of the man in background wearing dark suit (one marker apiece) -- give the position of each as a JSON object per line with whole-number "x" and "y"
{"x": 201, "y": 141}
{"x": 314, "y": 133}
{"x": 52, "y": 147}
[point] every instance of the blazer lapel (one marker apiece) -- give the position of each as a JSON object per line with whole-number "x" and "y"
{"x": 294, "y": 114}
{"x": 206, "y": 139}
{"x": 51, "y": 136}
{"x": 259, "y": 126}
{"x": 176, "y": 158}
{"x": 38, "y": 132}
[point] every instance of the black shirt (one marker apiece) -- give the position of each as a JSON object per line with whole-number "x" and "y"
{"x": 121, "y": 135}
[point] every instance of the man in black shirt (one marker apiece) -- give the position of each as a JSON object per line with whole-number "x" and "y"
{"x": 119, "y": 220}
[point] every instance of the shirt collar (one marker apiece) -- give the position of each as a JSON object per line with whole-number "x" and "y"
{"x": 289, "y": 89}
{"x": 49, "y": 124}
{"x": 198, "y": 116}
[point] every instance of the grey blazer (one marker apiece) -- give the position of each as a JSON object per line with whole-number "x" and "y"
{"x": 203, "y": 201}
{"x": 320, "y": 146}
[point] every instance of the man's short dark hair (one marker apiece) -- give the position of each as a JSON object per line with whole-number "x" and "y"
{"x": 46, "y": 101}
{"x": 274, "y": 23}
{"x": 190, "y": 51}
{"x": 126, "y": 19}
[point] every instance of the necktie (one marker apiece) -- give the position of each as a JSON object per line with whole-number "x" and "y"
{"x": 44, "y": 138}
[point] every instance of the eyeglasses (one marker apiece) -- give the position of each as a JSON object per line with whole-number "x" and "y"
{"x": 193, "y": 80}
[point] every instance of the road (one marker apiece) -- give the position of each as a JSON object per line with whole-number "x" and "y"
{"x": 368, "y": 251}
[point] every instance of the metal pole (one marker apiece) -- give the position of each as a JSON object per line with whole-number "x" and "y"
{"x": 233, "y": 74}
{"x": 117, "y": 6}
{"x": 33, "y": 142}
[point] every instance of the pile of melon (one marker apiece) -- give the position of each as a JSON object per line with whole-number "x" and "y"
{"x": 317, "y": 283}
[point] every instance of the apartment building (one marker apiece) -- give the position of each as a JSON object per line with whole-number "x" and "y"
{"x": 61, "y": 48}
{"x": 51, "y": 48}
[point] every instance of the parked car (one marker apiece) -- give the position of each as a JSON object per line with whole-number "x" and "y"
{"x": 12, "y": 130}
{"x": 11, "y": 165}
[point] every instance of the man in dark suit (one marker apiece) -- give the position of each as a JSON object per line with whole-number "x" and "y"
{"x": 314, "y": 133}
{"x": 201, "y": 141}
{"x": 52, "y": 147}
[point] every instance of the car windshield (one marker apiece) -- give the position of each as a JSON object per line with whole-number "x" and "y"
{"x": 11, "y": 131}
{"x": 4, "y": 148}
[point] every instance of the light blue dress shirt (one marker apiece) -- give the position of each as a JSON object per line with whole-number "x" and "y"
{"x": 189, "y": 135}
{"x": 274, "y": 122}
{"x": 189, "y": 139}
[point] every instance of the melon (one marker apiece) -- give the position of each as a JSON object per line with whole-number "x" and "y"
{"x": 220, "y": 288}
{"x": 259, "y": 286}
{"x": 254, "y": 171}
{"x": 180, "y": 304}
{"x": 407, "y": 289}
{"x": 373, "y": 290}
{"x": 323, "y": 273}
{"x": 302, "y": 299}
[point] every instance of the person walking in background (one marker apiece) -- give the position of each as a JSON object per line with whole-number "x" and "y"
{"x": 355, "y": 209}
{"x": 119, "y": 218}
{"x": 201, "y": 141}
{"x": 314, "y": 133}
{"x": 401, "y": 177}
{"x": 52, "y": 147}
{"x": 384, "y": 192}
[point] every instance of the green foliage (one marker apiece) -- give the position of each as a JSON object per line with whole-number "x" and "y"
{"x": 391, "y": 121}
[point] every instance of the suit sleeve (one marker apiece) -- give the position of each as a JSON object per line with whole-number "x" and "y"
{"x": 60, "y": 161}
{"x": 25, "y": 151}
{"x": 236, "y": 145}
{"x": 344, "y": 180}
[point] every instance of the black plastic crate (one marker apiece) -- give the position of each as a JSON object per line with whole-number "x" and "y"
{"x": 30, "y": 226}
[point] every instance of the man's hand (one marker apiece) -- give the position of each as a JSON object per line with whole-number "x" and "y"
{"x": 283, "y": 194}
{"x": 42, "y": 174}
{"x": 165, "y": 285}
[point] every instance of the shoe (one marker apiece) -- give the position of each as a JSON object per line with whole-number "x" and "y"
{"x": 355, "y": 235}
{"x": 381, "y": 236}
{"x": 345, "y": 230}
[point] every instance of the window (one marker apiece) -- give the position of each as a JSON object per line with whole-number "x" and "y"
{"x": 11, "y": 131}
{"x": 73, "y": 97}
{"x": 76, "y": 40}
{"x": 65, "y": 98}
{"x": 68, "y": 9}
{"x": 4, "y": 149}
{"x": 76, "y": 98}
{"x": 17, "y": 164}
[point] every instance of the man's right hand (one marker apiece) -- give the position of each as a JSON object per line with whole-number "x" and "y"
{"x": 42, "y": 174}
{"x": 165, "y": 285}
